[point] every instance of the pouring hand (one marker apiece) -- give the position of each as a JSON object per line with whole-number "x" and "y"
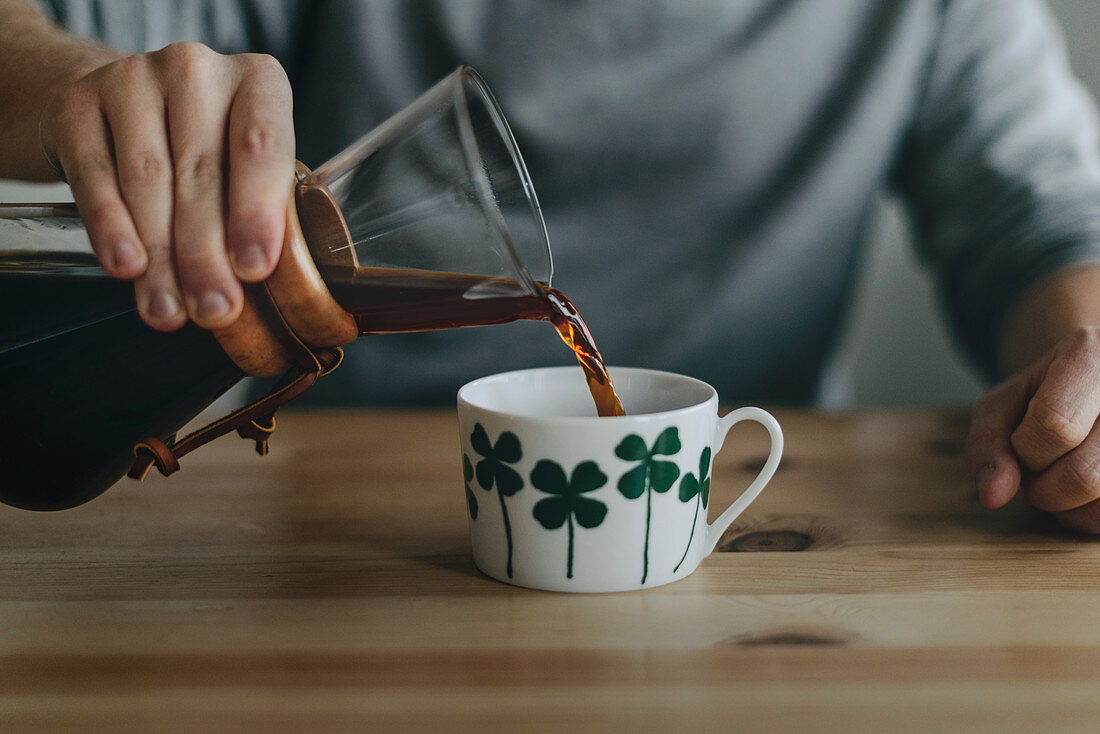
{"x": 181, "y": 162}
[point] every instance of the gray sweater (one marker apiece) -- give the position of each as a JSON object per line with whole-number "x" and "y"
{"x": 706, "y": 167}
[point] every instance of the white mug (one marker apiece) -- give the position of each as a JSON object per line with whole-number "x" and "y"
{"x": 563, "y": 500}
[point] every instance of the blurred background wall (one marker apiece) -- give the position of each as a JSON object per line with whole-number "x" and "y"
{"x": 895, "y": 351}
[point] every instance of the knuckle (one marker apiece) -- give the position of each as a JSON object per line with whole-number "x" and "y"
{"x": 1058, "y": 427}
{"x": 198, "y": 171}
{"x": 1082, "y": 477}
{"x": 265, "y": 65}
{"x": 126, "y": 71}
{"x": 1086, "y": 338}
{"x": 1081, "y": 347}
{"x": 185, "y": 50}
{"x": 144, "y": 168}
{"x": 257, "y": 140}
{"x": 185, "y": 58}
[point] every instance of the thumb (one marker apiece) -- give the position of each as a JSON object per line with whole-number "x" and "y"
{"x": 989, "y": 453}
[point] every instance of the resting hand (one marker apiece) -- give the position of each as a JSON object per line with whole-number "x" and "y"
{"x": 1036, "y": 433}
{"x": 181, "y": 163}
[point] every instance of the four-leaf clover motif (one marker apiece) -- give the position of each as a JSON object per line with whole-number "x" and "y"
{"x": 699, "y": 489}
{"x": 567, "y": 501}
{"x": 493, "y": 470}
{"x": 467, "y": 477}
{"x": 568, "y": 504}
{"x": 649, "y": 476}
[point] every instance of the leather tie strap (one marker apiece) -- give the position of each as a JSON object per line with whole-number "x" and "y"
{"x": 255, "y": 421}
{"x": 258, "y": 432}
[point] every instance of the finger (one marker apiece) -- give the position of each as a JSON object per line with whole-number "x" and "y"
{"x": 261, "y": 167}
{"x": 197, "y": 115}
{"x": 1065, "y": 406}
{"x": 988, "y": 451}
{"x": 78, "y": 137}
{"x": 1071, "y": 482}
{"x": 1084, "y": 519}
{"x": 145, "y": 177}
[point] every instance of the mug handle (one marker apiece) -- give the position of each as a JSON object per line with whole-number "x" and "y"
{"x": 725, "y": 423}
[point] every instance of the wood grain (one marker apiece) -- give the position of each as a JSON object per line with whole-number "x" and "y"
{"x": 329, "y": 586}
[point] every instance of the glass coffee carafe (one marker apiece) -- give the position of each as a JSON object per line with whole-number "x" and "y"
{"x": 429, "y": 221}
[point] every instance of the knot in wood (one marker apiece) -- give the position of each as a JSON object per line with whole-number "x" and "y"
{"x": 768, "y": 541}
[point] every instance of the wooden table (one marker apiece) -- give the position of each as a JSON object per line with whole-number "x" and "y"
{"x": 330, "y": 586}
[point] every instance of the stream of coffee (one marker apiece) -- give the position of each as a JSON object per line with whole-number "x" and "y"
{"x": 386, "y": 301}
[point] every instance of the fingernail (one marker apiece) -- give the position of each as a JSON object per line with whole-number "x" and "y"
{"x": 164, "y": 306}
{"x": 985, "y": 473}
{"x": 250, "y": 261}
{"x": 125, "y": 253}
{"x": 212, "y": 305}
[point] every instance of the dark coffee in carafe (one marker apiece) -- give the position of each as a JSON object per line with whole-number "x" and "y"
{"x": 83, "y": 380}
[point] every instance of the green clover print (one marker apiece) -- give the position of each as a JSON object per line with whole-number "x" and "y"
{"x": 649, "y": 476}
{"x": 690, "y": 487}
{"x": 568, "y": 502}
{"x": 467, "y": 476}
{"x": 493, "y": 470}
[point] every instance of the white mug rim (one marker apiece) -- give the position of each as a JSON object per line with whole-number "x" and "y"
{"x": 711, "y": 399}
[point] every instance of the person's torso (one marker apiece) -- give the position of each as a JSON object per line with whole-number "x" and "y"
{"x": 705, "y": 168}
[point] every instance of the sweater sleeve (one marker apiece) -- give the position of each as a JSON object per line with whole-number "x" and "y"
{"x": 227, "y": 26}
{"x": 1000, "y": 168}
